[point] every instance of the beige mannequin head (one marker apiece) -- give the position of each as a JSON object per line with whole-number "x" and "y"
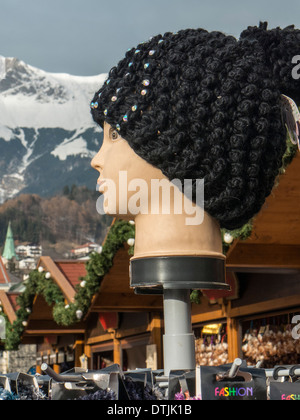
{"x": 122, "y": 172}
{"x": 178, "y": 227}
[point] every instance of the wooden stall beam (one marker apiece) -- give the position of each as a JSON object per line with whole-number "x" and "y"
{"x": 117, "y": 352}
{"x": 264, "y": 307}
{"x": 264, "y": 256}
{"x": 78, "y": 348}
{"x": 126, "y": 302}
{"x": 208, "y": 316}
{"x": 48, "y": 264}
{"x": 234, "y": 337}
{"x": 7, "y": 306}
{"x": 41, "y": 332}
{"x": 156, "y": 330}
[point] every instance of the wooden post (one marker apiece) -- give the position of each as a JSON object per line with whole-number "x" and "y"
{"x": 56, "y": 368}
{"x": 234, "y": 339}
{"x": 79, "y": 345}
{"x": 156, "y": 329}
{"x": 88, "y": 353}
{"x": 117, "y": 351}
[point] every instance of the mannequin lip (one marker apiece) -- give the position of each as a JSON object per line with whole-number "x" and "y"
{"x": 101, "y": 183}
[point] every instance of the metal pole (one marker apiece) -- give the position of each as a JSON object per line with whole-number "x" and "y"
{"x": 281, "y": 374}
{"x": 58, "y": 377}
{"x": 235, "y": 368}
{"x": 179, "y": 339}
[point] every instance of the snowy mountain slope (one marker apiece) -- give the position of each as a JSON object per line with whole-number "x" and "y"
{"x": 47, "y": 136}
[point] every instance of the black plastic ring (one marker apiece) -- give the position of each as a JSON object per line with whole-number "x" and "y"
{"x": 179, "y": 272}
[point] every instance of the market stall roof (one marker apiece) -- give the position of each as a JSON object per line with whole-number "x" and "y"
{"x": 66, "y": 274}
{"x": 115, "y": 293}
{"x": 275, "y": 240}
{"x": 9, "y": 304}
{"x": 4, "y": 278}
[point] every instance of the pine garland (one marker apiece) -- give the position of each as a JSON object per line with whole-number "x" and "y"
{"x": 40, "y": 283}
{"x": 37, "y": 283}
{"x": 97, "y": 267}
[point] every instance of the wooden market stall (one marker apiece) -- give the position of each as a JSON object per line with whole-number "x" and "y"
{"x": 123, "y": 327}
{"x": 264, "y": 272}
{"x": 61, "y": 347}
{"x": 267, "y": 267}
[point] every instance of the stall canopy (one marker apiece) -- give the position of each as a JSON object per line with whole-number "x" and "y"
{"x": 115, "y": 293}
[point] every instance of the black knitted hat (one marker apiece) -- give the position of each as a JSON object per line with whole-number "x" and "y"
{"x": 204, "y": 105}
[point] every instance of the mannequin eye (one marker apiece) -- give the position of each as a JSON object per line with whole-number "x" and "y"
{"x": 114, "y": 135}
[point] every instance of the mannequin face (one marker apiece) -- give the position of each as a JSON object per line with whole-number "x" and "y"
{"x": 131, "y": 186}
{"x": 122, "y": 170}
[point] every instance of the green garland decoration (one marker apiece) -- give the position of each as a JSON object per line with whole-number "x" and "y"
{"x": 97, "y": 267}
{"x": 40, "y": 283}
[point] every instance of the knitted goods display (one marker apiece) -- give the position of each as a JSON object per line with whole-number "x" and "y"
{"x": 204, "y": 105}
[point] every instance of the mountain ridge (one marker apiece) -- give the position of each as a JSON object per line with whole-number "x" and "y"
{"x": 47, "y": 135}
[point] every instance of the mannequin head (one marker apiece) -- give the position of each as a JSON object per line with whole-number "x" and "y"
{"x": 200, "y": 105}
{"x": 131, "y": 186}
{"x": 119, "y": 167}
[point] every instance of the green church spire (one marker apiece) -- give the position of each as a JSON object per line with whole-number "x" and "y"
{"x": 9, "y": 248}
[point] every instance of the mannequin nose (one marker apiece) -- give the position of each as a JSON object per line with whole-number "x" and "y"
{"x": 96, "y": 162}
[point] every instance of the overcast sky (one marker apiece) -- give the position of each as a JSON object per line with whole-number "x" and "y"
{"x": 88, "y": 37}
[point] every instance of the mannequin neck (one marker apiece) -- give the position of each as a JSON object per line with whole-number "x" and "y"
{"x": 168, "y": 234}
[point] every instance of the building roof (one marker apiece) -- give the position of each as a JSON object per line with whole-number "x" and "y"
{"x": 9, "y": 246}
{"x": 72, "y": 270}
{"x": 86, "y": 245}
{"x": 66, "y": 274}
{"x": 9, "y": 305}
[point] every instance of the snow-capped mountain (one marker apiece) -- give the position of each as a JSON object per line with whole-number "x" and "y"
{"x": 47, "y": 135}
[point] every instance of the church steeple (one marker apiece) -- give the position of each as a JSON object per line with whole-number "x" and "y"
{"x": 9, "y": 248}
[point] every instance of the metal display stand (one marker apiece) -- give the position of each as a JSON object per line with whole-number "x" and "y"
{"x": 175, "y": 277}
{"x": 179, "y": 339}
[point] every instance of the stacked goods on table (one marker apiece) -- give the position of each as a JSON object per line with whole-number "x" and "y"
{"x": 211, "y": 347}
{"x": 272, "y": 347}
{"x": 272, "y": 342}
{"x": 213, "y": 354}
